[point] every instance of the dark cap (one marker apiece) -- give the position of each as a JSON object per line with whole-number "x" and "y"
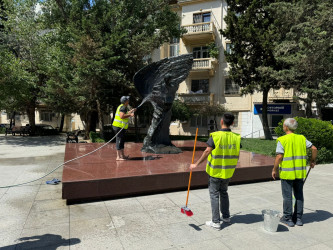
{"x": 124, "y": 99}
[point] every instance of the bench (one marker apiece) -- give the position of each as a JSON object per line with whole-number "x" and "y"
{"x": 73, "y": 137}
{"x": 21, "y": 130}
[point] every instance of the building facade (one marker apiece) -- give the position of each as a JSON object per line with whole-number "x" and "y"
{"x": 208, "y": 82}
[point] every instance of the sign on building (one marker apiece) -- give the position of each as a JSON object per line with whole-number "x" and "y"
{"x": 273, "y": 109}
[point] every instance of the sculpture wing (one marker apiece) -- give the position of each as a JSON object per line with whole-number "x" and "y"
{"x": 151, "y": 79}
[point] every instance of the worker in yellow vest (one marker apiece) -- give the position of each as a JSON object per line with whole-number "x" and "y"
{"x": 120, "y": 122}
{"x": 291, "y": 162}
{"x": 222, "y": 153}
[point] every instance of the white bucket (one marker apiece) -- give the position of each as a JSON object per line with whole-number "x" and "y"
{"x": 271, "y": 219}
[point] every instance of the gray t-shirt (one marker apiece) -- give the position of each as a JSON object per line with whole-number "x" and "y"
{"x": 280, "y": 149}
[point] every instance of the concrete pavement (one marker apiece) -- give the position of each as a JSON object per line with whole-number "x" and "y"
{"x": 34, "y": 216}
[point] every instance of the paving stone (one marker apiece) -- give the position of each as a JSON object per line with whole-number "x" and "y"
{"x": 124, "y": 206}
{"x": 86, "y": 212}
{"x": 39, "y": 219}
{"x": 151, "y": 202}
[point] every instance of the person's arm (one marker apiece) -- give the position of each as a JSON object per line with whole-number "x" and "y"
{"x": 129, "y": 114}
{"x": 277, "y": 162}
{"x": 313, "y": 156}
{"x": 203, "y": 157}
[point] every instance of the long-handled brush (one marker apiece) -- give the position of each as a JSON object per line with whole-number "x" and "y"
{"x": 186, "y": 210}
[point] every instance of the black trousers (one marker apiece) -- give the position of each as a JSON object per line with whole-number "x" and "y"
{"x": 120, "y": 139}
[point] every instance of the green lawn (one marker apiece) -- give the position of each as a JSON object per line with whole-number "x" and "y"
{"x": 260, "y": 146}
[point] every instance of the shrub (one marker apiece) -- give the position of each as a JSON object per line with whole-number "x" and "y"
{"x": 95, "y": 137}
{"x": 2, "y": 130}
{"x": 320, "y": 133}
{"x": 324, "y": 155}
{"x": 100, "y": 140}
{"x": 180, "y": 111}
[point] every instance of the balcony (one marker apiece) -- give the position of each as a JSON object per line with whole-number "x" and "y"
{"x": 281, "y": 94}
{"x": 196, "y": 99}
{"x": 199, "y": 33}
{"x": 204, "y": 65}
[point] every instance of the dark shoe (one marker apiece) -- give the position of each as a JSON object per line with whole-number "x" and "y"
{"x": 289, "y": 222}
{"x": 299, "y": 222}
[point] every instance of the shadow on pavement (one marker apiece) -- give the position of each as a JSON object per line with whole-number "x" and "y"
{"x": 46, "y": 241}
{"x": 50, "y": 140}
{"x": 246, "y": 218}
{"x": 316, "y": 216}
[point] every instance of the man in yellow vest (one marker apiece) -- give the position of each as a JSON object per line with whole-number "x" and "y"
{"x": 222, "y": 153}
{"x": 291, "y": 161}
{"x": 120, "y": 122}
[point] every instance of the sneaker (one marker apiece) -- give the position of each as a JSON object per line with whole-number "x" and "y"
{"x": 213, "y": 225}
{"x": 299, "y": 222}
{"x": 288, "y": 222}
{"x": 226, "y": 220}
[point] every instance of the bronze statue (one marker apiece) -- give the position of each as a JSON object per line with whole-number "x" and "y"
{"x": 158, "y": 83}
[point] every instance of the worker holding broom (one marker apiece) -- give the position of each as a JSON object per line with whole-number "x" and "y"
{"x": 222, "y": 153}
{"x": 291, "y": 161}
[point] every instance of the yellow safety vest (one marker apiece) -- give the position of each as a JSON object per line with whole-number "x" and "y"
{"x": 293, "y": 165}
{"x": 223, "y": 159}
{"x": 118, "y": 122}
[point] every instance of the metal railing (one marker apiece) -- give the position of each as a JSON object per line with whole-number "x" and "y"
{"x": 260, "y": 131}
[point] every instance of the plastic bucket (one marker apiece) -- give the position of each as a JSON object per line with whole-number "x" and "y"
{"x": 271, "y": 219}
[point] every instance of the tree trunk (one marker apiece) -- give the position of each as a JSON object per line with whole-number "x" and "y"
{"x": 308, "y": 110}
{"x": 31, "y": 115}
{"x": 12, "y": 120}
{"x": 62, "y": 120}
{"x": 319, "y": 110}
{"x": 100, "y": 119}
{"x": 267, "y": 132}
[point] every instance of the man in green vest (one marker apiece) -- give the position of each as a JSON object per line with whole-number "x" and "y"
{"x": 222, "y": 153}
{"x": 291, "y": 161}
{"x": 120, "y": 122}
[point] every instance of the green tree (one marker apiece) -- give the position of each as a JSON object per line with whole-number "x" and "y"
{"x": 251, "y": 32}
{"x": 107, "y": 43}
{"x": 24, "y": 44}
{"x": 180, "y": 111}
{"x": 306, "y": 53}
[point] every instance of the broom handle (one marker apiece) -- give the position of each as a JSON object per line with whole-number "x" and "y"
{"x": 189, "y": 182}
{"x": 307, "y": 175}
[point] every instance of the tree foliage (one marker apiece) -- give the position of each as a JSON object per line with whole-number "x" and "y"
{"x": 180, "y": 111}
{"x": 81, "y": 55}
{"x": 250, "y": 30}
{"x": 306, "y": 53}
{"x": 24, "y": 45}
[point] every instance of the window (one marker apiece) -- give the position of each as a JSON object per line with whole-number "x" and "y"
{"x": 200, "y": 86}
{"x": 231, "y": 88}
{"x": 236, "y": 119}
{"x": 174, "y": 47}
{"x": 46, "y": 116}
{"x": 199, "y": 121}
{"x": 200, "y": 52}
{"x": 201, "y": 17}
{"x": 228, "y": 48}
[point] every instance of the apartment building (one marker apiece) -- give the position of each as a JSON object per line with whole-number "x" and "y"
{"x": 208, "y": 81}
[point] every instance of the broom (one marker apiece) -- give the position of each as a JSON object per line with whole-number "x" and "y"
{"x": 186, "y": 210}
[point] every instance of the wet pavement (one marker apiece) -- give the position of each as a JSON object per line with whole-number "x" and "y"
{"x": 34, "y": 216}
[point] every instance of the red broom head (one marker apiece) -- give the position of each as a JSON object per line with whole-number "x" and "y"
{"x": 189, "y": 212}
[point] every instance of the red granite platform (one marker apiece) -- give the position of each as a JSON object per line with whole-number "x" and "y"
{"x": 100, "y": 176}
